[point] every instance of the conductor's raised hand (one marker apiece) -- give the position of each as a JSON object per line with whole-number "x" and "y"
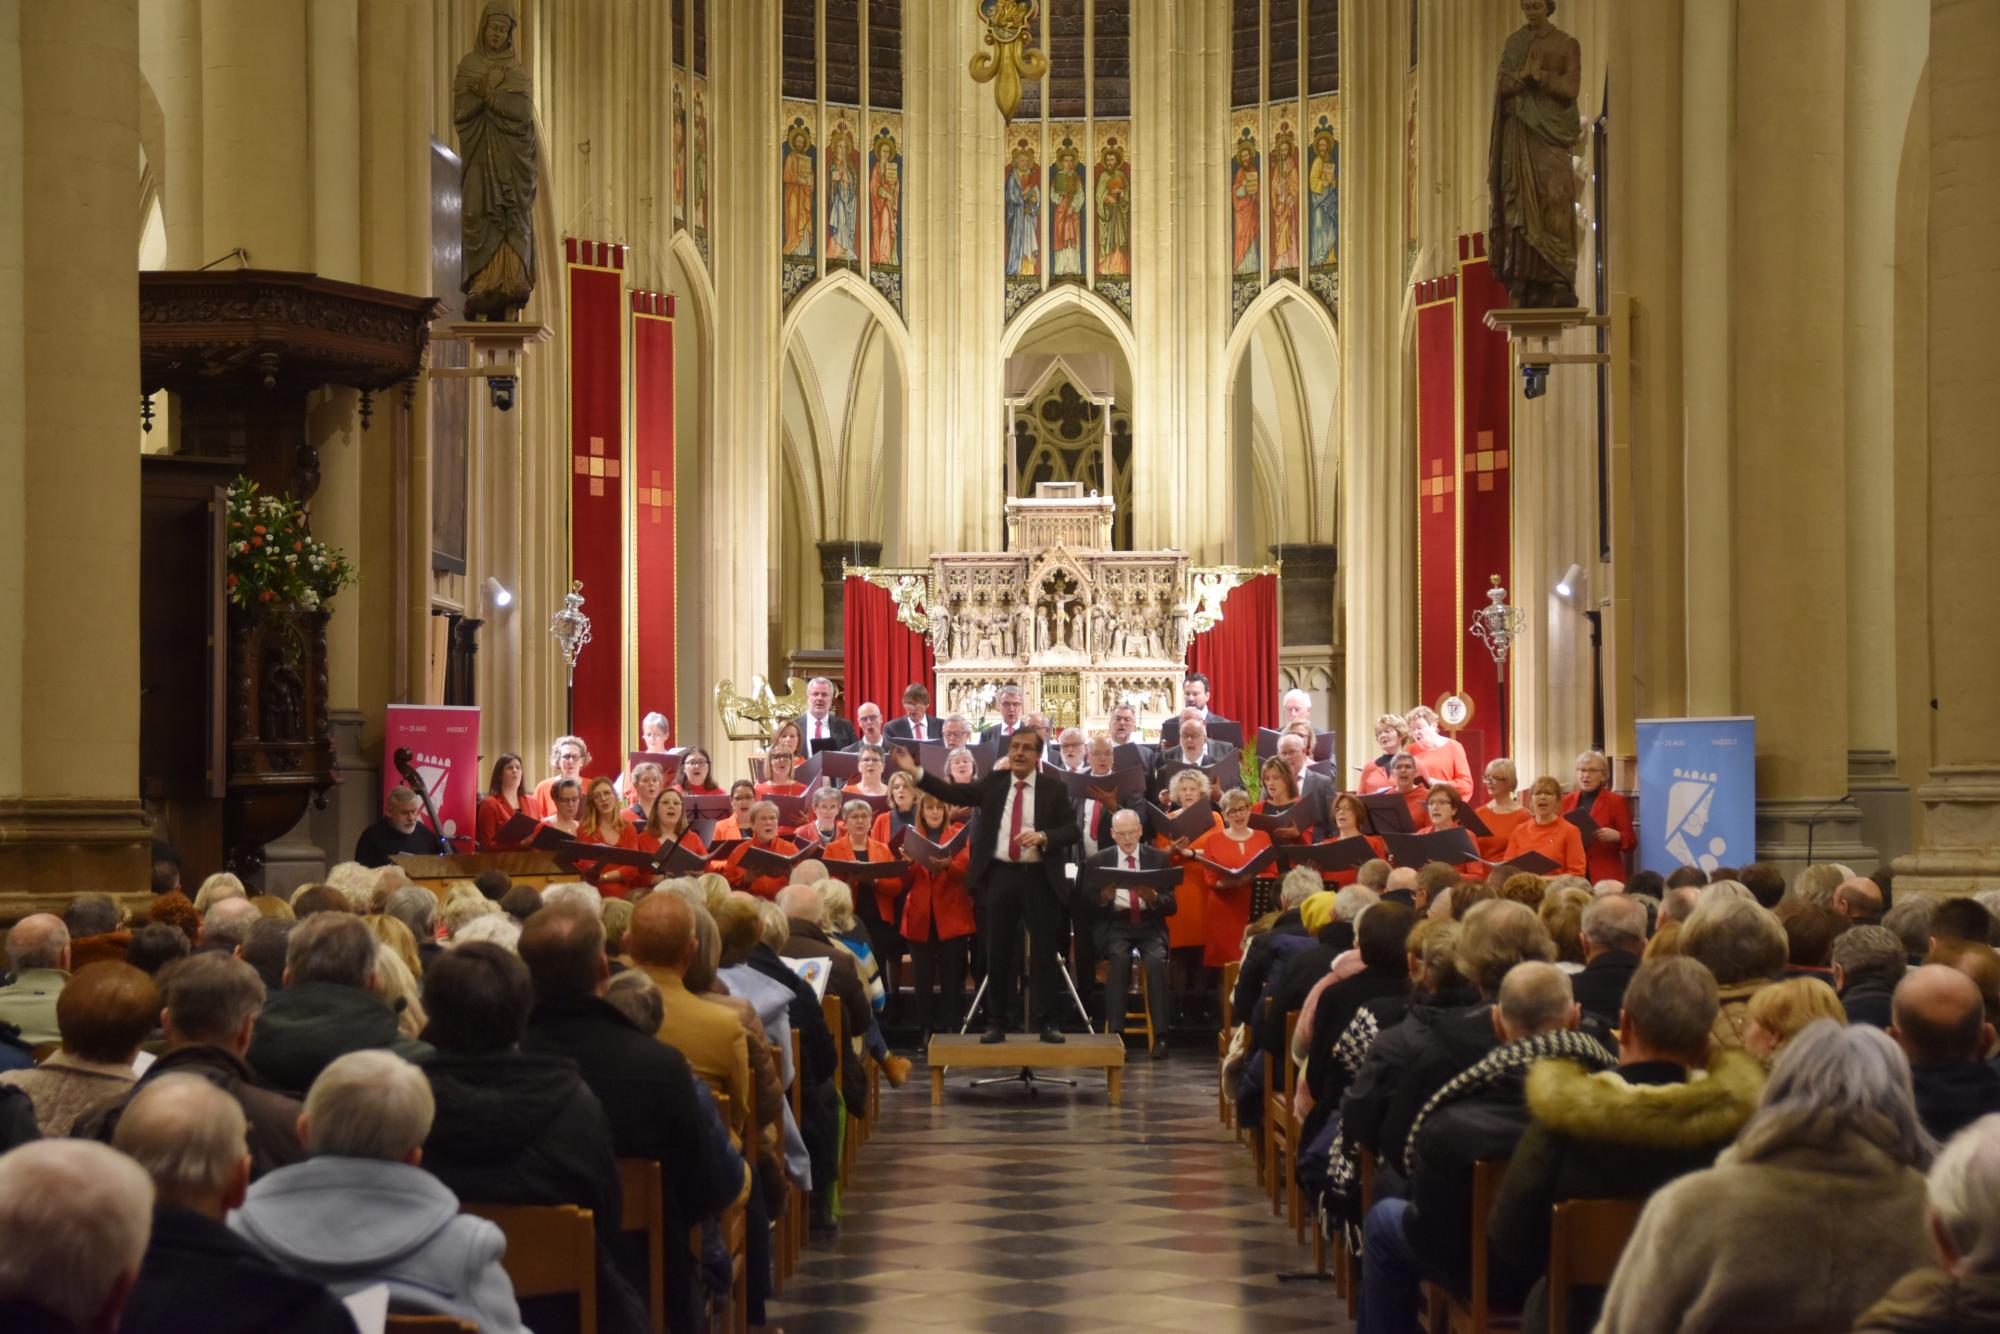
{"x": 905, "y": 761}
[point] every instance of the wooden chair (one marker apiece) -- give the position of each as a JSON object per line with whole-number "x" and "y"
{"x": 735, "y": 1233}
{"x": 1586, "y": 1237}
{"x": 644, "y": 1210}
{"x": 1224, "y": 1110}
{"x": 551, "y": 1251}
{"x": 1281, "y": 1130}
{"x": 1450, "y": 1315}
{"x": 1364, "y": 1178}
{"x": 428, "y": 1324}
{"x": 836, "y": 1024}
{"x": 1143, "y": 1011}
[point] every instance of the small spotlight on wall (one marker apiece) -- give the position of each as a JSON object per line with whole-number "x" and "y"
{"x": 497, "y": 593}
{"x": 1572, "y": 579}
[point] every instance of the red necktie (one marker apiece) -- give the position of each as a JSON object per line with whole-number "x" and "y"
{"x": 1132, "y": 864}
{"x": 1014, "y": 822}
{"x": 920, "y": 733}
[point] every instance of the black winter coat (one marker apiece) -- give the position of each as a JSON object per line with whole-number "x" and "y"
{"x": 199, "y": 1274}
{"x": 305, "y": 1028}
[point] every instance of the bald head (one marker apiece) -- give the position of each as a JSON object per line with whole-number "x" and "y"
{"x": 809, "y": 872}
{"x": 39, "y": 940}
{"x": 228, "y": 923}
{"x": 801, "y": 903}
{"x": 1858, "y": 899}
{"x": 192, "y": 1139}
{"x": 1403, "y": 877}
{"x": 662, "y": 932}
{"x": 1535, "y": 998}
{"x": 1938, "y": 1016}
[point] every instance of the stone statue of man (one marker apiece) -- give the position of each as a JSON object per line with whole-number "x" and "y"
{"x": 493, "y": 107}
{"x": 1531, "y": 235}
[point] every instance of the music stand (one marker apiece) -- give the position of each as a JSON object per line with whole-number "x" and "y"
{"x": 1026, "y": 1076}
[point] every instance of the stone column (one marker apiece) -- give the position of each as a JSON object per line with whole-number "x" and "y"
{"x": 70, "y": 818}
{"x": 1790, "y": 419}
{"x": 1961, "y": 840}
{"x": 1376, "y": 494}
{"x": 256, "y": 189}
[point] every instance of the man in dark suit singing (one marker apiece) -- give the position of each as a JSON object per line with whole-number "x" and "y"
{"x": 1130, "y": 919}
{"x": 1025, "y": 822}
{"x": 824, "y": 729}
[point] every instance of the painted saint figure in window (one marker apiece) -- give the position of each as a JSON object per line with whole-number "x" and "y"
{"x": 1284, "y": 201}
{"x": 1066, "y": 200}
{"x": 1114, "y": 212}
{"x": 843, "y": 194}
{"x": 885, "y": 204}
{"x": 1243, "y": 187}
{"x": 1024, "y": 214}
{"x": 797, "y": 178}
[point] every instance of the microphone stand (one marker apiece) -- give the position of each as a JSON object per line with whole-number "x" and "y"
{"x": 1812, "y": 822}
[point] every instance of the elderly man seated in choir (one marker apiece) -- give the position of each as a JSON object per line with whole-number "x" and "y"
{"x": 1128, "y": 921}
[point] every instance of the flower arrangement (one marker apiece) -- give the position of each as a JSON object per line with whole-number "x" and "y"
{"x": 275, "y": 563}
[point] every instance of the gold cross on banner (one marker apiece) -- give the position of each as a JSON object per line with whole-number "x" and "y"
{"x": 596, "y": 466}
{"x": 1437, "y": 486}
{"x": 1485, "y": 461}
{"x": 655, "y": 496}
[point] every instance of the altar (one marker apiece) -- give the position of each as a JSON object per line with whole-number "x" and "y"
{"x": 1080, "y": 627}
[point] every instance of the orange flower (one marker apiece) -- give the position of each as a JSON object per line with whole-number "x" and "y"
{"x": 258, "y": 528}
{"x": 256, "y": 541}
{"x": 266, "y": 596}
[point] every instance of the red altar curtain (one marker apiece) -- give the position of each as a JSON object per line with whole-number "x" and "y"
{"x": 1239, "y": 656}
{"x": 596, "y": 279}
{"x": 1486, "y": 390}
{"x": 654, "y": 532}
{"x": 1440, "y": 645}
{"x": 882, "y": 654}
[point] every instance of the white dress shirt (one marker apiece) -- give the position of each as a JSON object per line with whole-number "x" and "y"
{"x": 1121, "y": 898}
{"x": 1025, "y": 796}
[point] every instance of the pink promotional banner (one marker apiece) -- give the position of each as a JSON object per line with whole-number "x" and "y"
{"x": 442, "y": 741}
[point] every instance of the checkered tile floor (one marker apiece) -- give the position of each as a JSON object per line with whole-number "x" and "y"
{"x": 1054, "y": 1212}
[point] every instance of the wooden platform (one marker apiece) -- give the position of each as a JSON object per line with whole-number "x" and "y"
{"x": 1083, "y": 1051}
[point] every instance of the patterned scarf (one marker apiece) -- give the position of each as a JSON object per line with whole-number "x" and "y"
{"x": 1508, "y": 1059}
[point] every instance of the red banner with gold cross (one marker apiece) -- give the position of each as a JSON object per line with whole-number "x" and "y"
{"x": 654, "y": 548}
{"x": 1464, "y": 490}
{"x": 595, "y": 274}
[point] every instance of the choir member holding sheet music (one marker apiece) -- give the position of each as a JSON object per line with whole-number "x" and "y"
{"x": 742, "y": 796}
{"x": 603, "y": 822}
{"x": 697, "y": 772}
{"x": 764, "y": 837}
{"x": 654, "y": 735}
{"x": 1442, "y": 809}
{"x": 1502, "y": 810}
{"x": 960, "y": 767}
{"x": 1441, "y": 758}
{"x": 1096, "y": 802}
{"x": 1407, "y": 780}
{"x": 1132, "y": 916}
{"x": 1391, "y": 734}
{"x": 667, "y": 823}
{"x": 567, "y": 757}
{"x": 1315, "y": 789}
{"x": 648, "y": 781}
{"x": 868, "y": 773}
{"x": 916, "y": 723}
{"x": 1350, "y": 819}
{"x": 1228, "y": 907}
{"x": 868, "y": 726}
{"x": 1188, "y": 793}
{"x": 902, "y": 809}
{"x": 1601, "y": 816}
{"x": 1281, "y": 797}
{"x": 1547, "y": 832}
{"x": 779, "y": 765}
{"x": 502, "y": 802}
{"x": 1296, "y": 707}
{"x": 875, "y": 901}
{"x": 565, "y": 804}
{"x": 937, "y": 922}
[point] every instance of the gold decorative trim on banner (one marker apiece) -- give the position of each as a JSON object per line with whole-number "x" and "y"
{"x": 909, "y": 588}
{"x": 1211, "y": 585}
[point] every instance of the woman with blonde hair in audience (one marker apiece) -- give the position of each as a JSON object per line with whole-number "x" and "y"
{"x": 604, "y": 823}
{"x": 1503, "y": 809}
{"x": 1744, "y": 947}
{"x": 504, "y": 800}
{"x": 499, "y": 928}
{"x": 1227, "y": 906}
{"x": 1392, "y": 734}
{"x": 1547, "y": 832}
{"x": 773, "y": 1112}
{"x": 1562, "y": 917}
{"x": 1830, "y": 1166}
{"x": 396, "y": 934}
{"x": 396, "y": 983}
{"x": 458, "y": 911}
{"x": 617, "y": 917}
{"x": 222, "y": 885}
{"x": 1780, "y": 1012}
{"x": 837, "y": 900}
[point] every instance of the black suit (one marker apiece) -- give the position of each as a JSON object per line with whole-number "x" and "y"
{"x": 1012, "y": 892}
{"x": 1119, "y": 933}
{"x": 839, "y": 731}
{"x": 899, "y": 726}
{"x": 1171, "y": 762}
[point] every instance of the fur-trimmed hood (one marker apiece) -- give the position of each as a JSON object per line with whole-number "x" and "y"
{"x": 1709, "y": 1107}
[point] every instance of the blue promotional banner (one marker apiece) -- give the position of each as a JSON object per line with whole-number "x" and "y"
{"x": 1697, "y": 792}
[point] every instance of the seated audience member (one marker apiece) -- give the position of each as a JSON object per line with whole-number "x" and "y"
{"x": 226, "y": 925}
{"x": 1981, "y": 963}
{"x": 1961, "y": 918}
{"x": 400, "y": 830}
{"x": 38, "y": 952}
{"x": 328, "y": 1006}
{"x": 155, "y": 945}
{"x": 1614, "y": 936}
{"x": 360, "y": 1211}
{"x": 264, "y": 949}
{"x": 1411, "y": 1062}
{"x": 1267, "y": 952}
{"x": 1911, "y": 921}
{"x": 1810, "y": 931}
{"x": 848, "y": 931}
{"x": 1858, "y": 900}
{"x": 1686, "y": 877}
{"x": 1765, "y": 882}
{"x": 462, "y": 908}
{"x": 192, "y": 1140}
{"x": 93, "y": 923}
{"x": 1806, "y": 1219}
{"x": 75, "y": 1218}
{"x": 662, "y": 943}
{"x": 1479, "y": 1114}
{"x": 805, "y": 914}
{"x": 1868, "y": 962}
{"x": 1961, "y": 1291}
{"x": 1743, "y": 946}
{"x": 310, "y": 900}
{"x": 211, "y": 1004}
{"x": 514, "y": 1126}
{"x": 1940, "y": 1022}
{"x": 222, "y": 885}
{"x": 1379, "y": 938}
{"x": 1781, "y": 1011}
{"x": 177, "y": 911}
{"x": 521, "y": 903}
{"x": 103, "y": 1015}
{"x": 1666, "y": 1110}
{"x": 1561, "y": 913}
{"x": 1817, "y": 882}
{"x": 1126, "y": 922}
{"x": 417, "y": 908}
{"x": 1331, "y": 918}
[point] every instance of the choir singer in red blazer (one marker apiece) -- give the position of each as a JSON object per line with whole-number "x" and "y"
{"x": 1604, "y": 851}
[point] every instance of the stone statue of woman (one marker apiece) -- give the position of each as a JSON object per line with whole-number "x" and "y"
{"x": 1531, "y": 236}
{"x": 493, "y": 107}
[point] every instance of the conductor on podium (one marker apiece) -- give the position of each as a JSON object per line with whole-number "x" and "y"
{"x": 1016, "y": 870}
